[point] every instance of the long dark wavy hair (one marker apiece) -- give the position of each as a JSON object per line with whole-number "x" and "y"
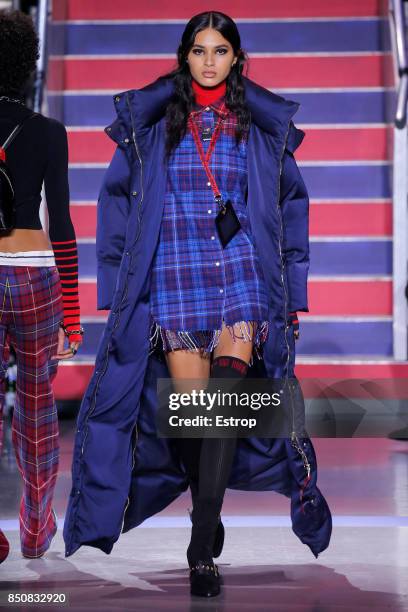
{"x": 182, "y": 101}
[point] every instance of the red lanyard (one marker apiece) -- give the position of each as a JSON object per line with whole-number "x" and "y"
{"x": 205, "y": 157}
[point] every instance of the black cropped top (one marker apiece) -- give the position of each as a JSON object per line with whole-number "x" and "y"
{"x": 37, "y": 156}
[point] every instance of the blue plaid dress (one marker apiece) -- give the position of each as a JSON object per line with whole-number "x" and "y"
{"x": 196, "y": 284}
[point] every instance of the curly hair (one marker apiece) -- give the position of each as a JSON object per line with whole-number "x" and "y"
{"x": 18, "y": 51}
{"x": 182, "y": 101}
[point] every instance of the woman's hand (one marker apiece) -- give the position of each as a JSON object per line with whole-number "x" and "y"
{"x": 294, "y": 321}
{"x": 65, "y": 353}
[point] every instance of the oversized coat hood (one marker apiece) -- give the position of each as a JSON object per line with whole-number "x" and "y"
{"x": 122, "y": 471}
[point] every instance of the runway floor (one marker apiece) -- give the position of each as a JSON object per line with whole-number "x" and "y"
{"x": 264, "y": 565}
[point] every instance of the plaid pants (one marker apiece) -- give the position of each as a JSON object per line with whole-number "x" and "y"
{"x": 30, "y": 313}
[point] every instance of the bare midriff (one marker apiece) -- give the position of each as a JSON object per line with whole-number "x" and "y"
{"x": 24, "y": 240}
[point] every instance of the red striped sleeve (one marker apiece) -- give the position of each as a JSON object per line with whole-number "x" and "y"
{"x": 66, "y": 259}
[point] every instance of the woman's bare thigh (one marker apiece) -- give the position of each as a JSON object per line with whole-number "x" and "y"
{"x": 184, "y": 365}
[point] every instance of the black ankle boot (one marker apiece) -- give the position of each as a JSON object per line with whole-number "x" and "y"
{"x": 204, "y": 575}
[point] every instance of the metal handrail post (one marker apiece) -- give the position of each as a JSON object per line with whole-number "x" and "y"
{"x": 400, "y": 188}
{"x": 42, "y": 18}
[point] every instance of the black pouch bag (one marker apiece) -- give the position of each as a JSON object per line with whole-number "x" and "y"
{"x": 227, "y": 223}
{"x": 7, "y": 207}
{"x": 7, "y": 199}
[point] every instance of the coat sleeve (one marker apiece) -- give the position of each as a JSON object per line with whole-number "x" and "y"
{"x": 112, "y": 216}
{"x": 294, "y": 202}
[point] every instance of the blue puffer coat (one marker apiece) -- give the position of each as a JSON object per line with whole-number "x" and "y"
{"x": 122, "y": 472}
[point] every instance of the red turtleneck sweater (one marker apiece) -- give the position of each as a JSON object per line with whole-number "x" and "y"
{"x": 207, "y": 95}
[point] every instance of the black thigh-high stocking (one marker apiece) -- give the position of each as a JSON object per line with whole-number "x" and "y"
{"x": 189, "y": 450}
{"x": 217, "y": 454}
{"x": 216, "y": 459}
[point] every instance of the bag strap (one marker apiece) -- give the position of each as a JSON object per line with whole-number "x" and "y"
{"x": 16, "y": 131}
{"x": 205, "y": 157}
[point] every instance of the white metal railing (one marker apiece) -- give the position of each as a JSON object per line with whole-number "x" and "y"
{"x": 42, "y": 21}
{"x": 400, "y": 183}
{"x": 39, "y": 13}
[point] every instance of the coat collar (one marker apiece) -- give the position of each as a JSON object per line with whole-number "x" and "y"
{"x": 269, "y": 111}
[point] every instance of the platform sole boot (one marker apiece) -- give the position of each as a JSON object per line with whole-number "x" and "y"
{"x": 204, "y": 574}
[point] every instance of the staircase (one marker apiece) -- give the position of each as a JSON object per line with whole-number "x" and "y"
{"x": 332, "y": 57}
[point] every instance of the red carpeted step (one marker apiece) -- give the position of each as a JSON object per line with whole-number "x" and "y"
{"x": 276, "y": 71}
{"x": 346, "y": 143}
{"x": 352, "y": 218}
{"x": 335, "y": 218}
{"x": 326, "y": 298}
{"x": 161, "y": 9}
{"x": 325, "y": 143}
{"x": 349, "y": 297}
{"x": 317, "y": 368}
{"x": 83, "y": 215}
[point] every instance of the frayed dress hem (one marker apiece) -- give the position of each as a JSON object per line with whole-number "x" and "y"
{"x": 204, "y": 342}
